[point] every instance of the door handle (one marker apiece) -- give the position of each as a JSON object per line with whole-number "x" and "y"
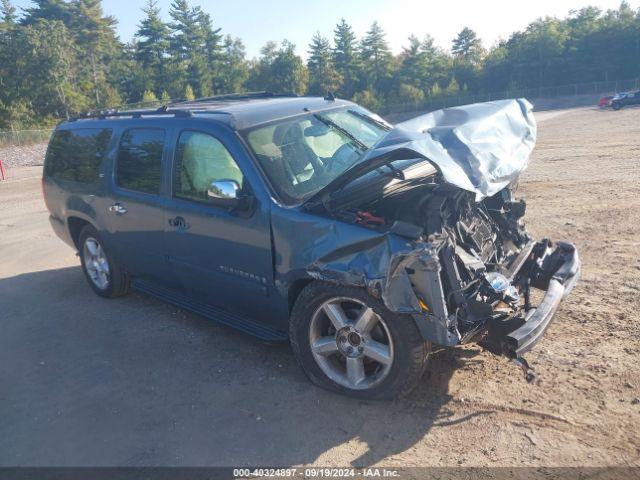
{"x": 179, "y": 223}
{"x": 117, "y": 208}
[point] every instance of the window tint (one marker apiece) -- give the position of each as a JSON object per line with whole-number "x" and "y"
{"x": 76, "y": 154}
{"x": 140, "y": 160}
{"x": 200, "y": 160}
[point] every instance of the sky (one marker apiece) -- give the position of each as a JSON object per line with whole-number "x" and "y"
{"x": 257, "y": 22}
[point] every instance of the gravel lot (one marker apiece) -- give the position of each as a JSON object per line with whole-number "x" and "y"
{"x": 23, "y": 156}
{"x": 134, "y": 381}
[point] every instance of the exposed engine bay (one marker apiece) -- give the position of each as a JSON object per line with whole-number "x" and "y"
{"x": 488, "y": 262}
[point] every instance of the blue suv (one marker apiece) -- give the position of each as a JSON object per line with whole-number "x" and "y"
{"x": 316, "y": 221}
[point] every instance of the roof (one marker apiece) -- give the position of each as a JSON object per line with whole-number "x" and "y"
{"x": 240, "y": 111}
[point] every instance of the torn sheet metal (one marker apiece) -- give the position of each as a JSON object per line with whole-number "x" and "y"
{"x": 383, "y": 263}
{"x": 480, "y": 148}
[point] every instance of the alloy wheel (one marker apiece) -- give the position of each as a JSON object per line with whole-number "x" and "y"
{"x": 95, "y": 262}
{"x": 351, "y": 343}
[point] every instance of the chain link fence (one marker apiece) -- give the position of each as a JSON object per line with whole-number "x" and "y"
{"x": 543, "y": 95}
{"x": 23, "y": 137}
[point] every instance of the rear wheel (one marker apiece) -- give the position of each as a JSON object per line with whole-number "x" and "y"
{"x": 105, "y": 277}
{"x": 349, "y": 342}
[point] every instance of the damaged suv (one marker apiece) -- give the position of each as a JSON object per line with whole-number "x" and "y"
{"x": 314, "y": 220}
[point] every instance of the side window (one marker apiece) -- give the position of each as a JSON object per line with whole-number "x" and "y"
{"x": 76, "y": 154}
{"x": 200, "y": 160}
{"x": 139, "y": 164}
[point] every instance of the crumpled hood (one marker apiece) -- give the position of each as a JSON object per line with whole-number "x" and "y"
{"x": 480, "y": 148}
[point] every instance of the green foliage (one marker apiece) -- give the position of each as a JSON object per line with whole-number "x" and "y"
{"x": 279, "y": 70}
{"x": 149, "y": 97}
{"x": 376, "y": 59}
{"x": 408, "y": 94}
{"x": 234, "y": 68}
{"x": 345, "y": 58}
{"x": 8, "y": 12}
{"x": 152, "y": 48}
{"x": 188, "y": 93}
{"x": 61, "y": 57}
{"x": 453, "y": 88}
{"x": 467, "y": 46}
{"x": 188, "y": 56}
{"x": 369, "y": 99}
{"x": 323, "y": 77}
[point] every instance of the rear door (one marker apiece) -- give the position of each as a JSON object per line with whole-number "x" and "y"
{"x": 135, "y": 209}
{"x": 222, "y": 257}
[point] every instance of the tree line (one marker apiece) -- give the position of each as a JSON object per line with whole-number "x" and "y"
{"x": 62, "y": 57}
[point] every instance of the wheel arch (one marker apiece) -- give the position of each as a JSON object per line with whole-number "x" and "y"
{"x": 75, "y": 225}
{"x": 294, "y": 290}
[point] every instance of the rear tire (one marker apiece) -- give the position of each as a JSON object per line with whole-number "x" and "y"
{"x": 103, "y": 274}
{"x": 349, "y": 342}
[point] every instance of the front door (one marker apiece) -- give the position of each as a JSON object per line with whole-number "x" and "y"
{"x": 136, "y": 207}
{"x": 223, "y": 257}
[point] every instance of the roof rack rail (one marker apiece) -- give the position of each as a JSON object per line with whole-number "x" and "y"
{"x": 102, "y": 114}
{"x": 234, "y": 96}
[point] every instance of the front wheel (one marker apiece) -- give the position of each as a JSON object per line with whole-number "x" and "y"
{"x": 349, "y": 342}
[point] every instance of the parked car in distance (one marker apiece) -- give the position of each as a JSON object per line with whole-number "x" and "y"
{"x": 625, "y": 99}
{"x": 315, "y": 221}
{"x": 605, "y": 101}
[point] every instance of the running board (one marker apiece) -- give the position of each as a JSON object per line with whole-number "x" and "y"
{"x": 263, "y": 332}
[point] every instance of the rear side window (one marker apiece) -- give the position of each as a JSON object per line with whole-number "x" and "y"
{"x": 76, "y": 154}
{"x": 139, "y": 163}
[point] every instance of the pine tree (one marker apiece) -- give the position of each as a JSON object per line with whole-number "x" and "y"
{"x": 188, "y": 93}
{"x": 467, "y": 55}
{"x": 210, "y": 42}
{"x": 467, "y": 46}
{"x": 345, "y": 58}
{"x": 234, "y": 69}
{"x": 194, "y": 44}
{"x": 288, "y": 72}
{"x": 413, "y": 64}
{"x": 152, "y": 47}
{"x": 48, "y": 10}
{"x": 149, "y": 97}
{"x": 27, "y": 94}
{"x": 376, "y": 58}
{"x": 279, "y": 70}
{"x": 323, "y": 77}
{"x": 8, "y": 12}
{"x": 98, "y": 48}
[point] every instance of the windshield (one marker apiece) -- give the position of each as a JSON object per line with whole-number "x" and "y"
{"x": 303, "y": 154}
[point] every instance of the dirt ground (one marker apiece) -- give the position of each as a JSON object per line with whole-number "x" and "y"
{"x": 134, "y": 381}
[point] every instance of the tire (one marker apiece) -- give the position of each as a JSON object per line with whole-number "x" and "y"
{"x": 616, "y": 106}
{"x": 117, "y": 282}
{"x": 323, "y": 364}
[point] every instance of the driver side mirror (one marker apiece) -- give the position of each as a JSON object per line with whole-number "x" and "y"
{"x": 227, "y": 193}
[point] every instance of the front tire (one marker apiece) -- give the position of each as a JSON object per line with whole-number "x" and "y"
{"x": 104, "y": 275}
{"x": 349, "y": 342}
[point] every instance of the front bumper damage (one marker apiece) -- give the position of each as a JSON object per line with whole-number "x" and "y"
{"x": 555, "y": 270}
{"x": 412, "y": 281}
